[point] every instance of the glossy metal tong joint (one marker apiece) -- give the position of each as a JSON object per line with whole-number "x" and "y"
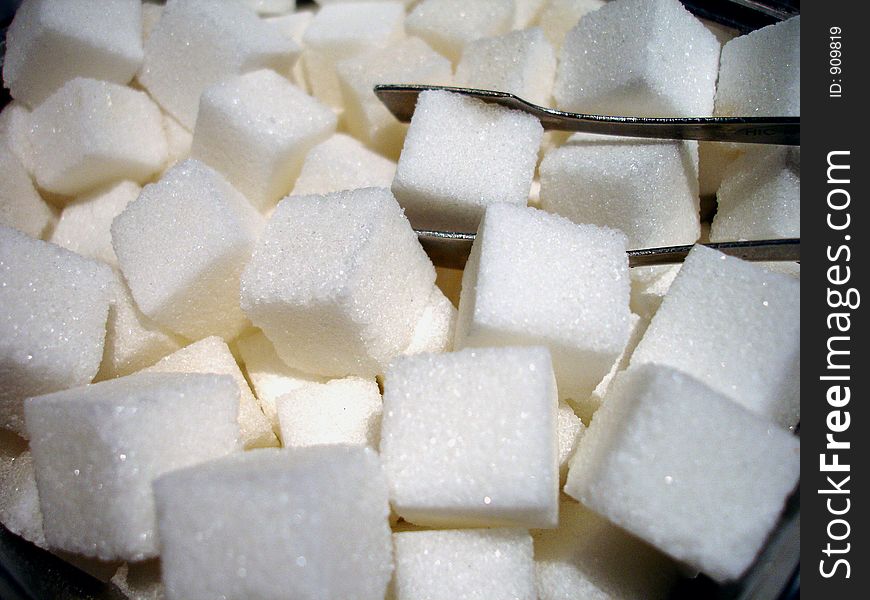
{"x": 451, "y": 249}
{"x": 401, "y": 100}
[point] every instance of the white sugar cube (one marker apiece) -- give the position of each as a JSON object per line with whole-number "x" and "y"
{"x": 51, "y": 42}
{"x": 648, "y": 189}
{"x": 538, "y": 279}
{"x": 588, "y": 557}
{"x": 449, "y": 25}
{"x": 21, "y": 206}
{"x": 271, "y": 7}
{"x": 475, "y": 564}
{"x": 269, "y": 524}
{"x": 436, "y": 328}
{"x": 558, "y": 17}
{"x": 178, "y": 140}
{"x": 97, "y": 448}
{"x": 760, "y": 73}
{"x": 468, "y": 438}
{"x": 54, "y": 305}
{"x": 269, "y": 375}
{"x": 197, "y": 43}
{"x": 293, "y": 26}
{"x": 341, "y": 411}
{"x": 85, "y": 225}
{"x": 686, "y": 469}
{"x": 343, "y": 30}
{"x": 256, "y": 129}
{"x": 760, "y": 196}
{"x": 735, "y": 327}
{"x": 338, "y": 282}
{"x": 15, "y": 132}
{"x": 409, "y": 61}
{"x": 212, "y": 355}
{"x": 19, "y": 498}
{"x": 182, "y": 246}
{"x": 140, "y": 581}
{"x": 520, "y": 62}
{"x": 90, "y": 133}
{"x": 570, "y": 429}
{"x": 133, "y": 341}
{"x": 640, "y": 58}
{"x": 342, "y": 163}
{"x": 460, "y": 156}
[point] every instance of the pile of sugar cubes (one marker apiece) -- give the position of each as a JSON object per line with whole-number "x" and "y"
{"x": 229, "y": 369}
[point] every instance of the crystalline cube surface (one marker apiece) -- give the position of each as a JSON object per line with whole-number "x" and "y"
{"x": 558, "y": 17}
{"x": 436, "y": 328}
{"x": 342, "y": 163}
{"x": 21, "y": 206}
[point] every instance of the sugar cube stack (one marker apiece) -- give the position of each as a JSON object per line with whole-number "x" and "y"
{"x": 538, "y": 279}
{"x": 460, "y": 156}
{"x": 19, "y": 498}
{"x": 51, "y": 42}
{"x": 97, "y": 448}
{"x": 589, "y": 557}
{"x": 21, "y": 206}
{"x": 558, "y": 17}
{"x": 54, "y": 305}
{"x": 468, "y": 438}
{"x": 85, "y": 225}
{"x": 270, "y": 377}
{"x": 271, "y": 524}
{"x": 212, "y": 355}
{"x": 686, "y": 469}
{"x": 342, "y": 163}
{"x": 518, "y": 62}
{"x": 436, "y": 328}
{"x": 449, "y": 25}
{"x": 89, "y": 133}
{"x": 256, "y": 129}
{"x": 476, "y": 564}
{"x": 182, "y": 246}
{"x": 197, "y": 43}
{"x": 641, "y": 58}
{"x": 133, "y": 341}
{"x": 409, "y": 60}
{"x": 341, "y": 411}
{"x": 343, "y": 30}
{"x": 314, "y": 284}
{"x": 735, "y": 327}
{"x": 648, "y": 189}
{"x": 760, "y": 196}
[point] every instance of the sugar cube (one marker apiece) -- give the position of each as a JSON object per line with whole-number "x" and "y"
{"x": 648, "y": 189}
{"x": 588, "y": 557}
{"x": 449, "y": 25}
{"x": 212, "y": 355}
{"x": 19, "y": 499}
{"x": 338, "y": 282}
{"x": 408, "y": 61}
{"x": 341, "y": 411}
{"x": 51, "y": 42}
{"x": 256, "y": 129}
{"x": 271, "y": 523}
{"x": 21, "y": 206}
{"x": 436, "y": 328}
{"x": 90, "y": 133}
{"x": 558, "y": 17}
{"x": 760, "y": 196}
{"x": 182, "y": 246}
{"x": 641, "y": 58}
{"x": 293, "y": 26}
{"x": 342, "y": 163}
{"x": 570, "y": 429}
{"x": 735, "y": 327}
{"x": 760, "y": 72}
{"x": 538, "y": 279}
{"x": 475, "y": 564}
{"x": 54, "y": 305}
{"x": 270, "y": 377}
{"x": 344, "y": 30}
{"x": 133, "y": 341}
{"x": 85, "y": 225}
{"x": 468, "y": 438}
{"x": 197, "y": 43}
{"x": 519, "y": 62}
{"x": 97, "y": 448}
{"x": 686, "y": 469}
{"x": 460, "y": 156}
{"x": 15, "y": 132}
